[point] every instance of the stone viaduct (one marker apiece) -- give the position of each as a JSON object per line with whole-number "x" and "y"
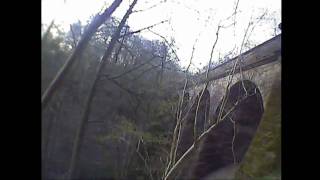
{"x": 244, "y": 145}
{"x": 247, "y": 143}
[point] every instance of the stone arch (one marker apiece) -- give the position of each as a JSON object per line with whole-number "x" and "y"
{"x": 221, "y": 148}
{"x": 186, "y": 137}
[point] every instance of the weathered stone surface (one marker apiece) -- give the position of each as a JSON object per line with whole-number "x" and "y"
{"x": 225, "y": 145}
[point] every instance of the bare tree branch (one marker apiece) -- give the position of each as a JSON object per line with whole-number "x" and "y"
{"x": 151, "y": 7}
{"x": 206, "y": 85}
{"x": 45, "y": 35}
{"x": 128, "y": 49}
{"x": 177, "y": 129}
{"x": 125, "y": 89}
{"x": 145, "y": 28}
{"x": 233, "y": 139}
{"x": 191, "y": 150}
{"x": 167, "y": 42}
{"x": 163, "y": 60}
{"x": 121, "y": 44}
{"x": 231, "y": 74}
{"x": 187, "y": 154}
{"x": 80, "y": 131}
{"x": 54, "y": 84}
{"x": 145, "y": 71}
{"x": 95, "y": 24}
{"x": 134, "y": 68}
{"x": 73, "y": 37}
{"x": 144, "y": 160}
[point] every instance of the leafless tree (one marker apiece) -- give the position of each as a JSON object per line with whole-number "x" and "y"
{"x": 80, "y": 132}
{"x": 44, "y": 37}
{"x": 95, "y": 24}
{"x": 173, "y": 165}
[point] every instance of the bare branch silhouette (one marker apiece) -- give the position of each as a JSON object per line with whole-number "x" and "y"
{"x": 145, "y": 28}
{"x": 92, "y": 28}
{"x": 80, "y": 131}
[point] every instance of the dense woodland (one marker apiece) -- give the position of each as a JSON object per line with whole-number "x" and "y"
{"x": 135, "y": 102}
{"x": 127, "y": 95}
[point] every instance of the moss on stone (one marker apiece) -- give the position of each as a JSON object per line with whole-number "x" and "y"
{"x": 263, "y": 158}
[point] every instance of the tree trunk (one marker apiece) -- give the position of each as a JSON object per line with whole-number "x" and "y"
{"x": 47, "y": 95}
{"x": 45, "y": 35}
{"x": 163, "y": 60}
{"x": 95, "y": 24}
{"x": 80, "y": 132}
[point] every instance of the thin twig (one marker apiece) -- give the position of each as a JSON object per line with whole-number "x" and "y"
{"x": 73, "y": 37}
{"x": 231, "y": 74}
{"x": 134, "y": 68}
{"x": 142, "y": 73}
{"x": 121, "y": 45}
{"x": 192, "y": 148}
{"x": 151, "y": 7}
{"x": 45, "y": 35}
{"x": 220, "y": 117}
{"x": 233, "y": 139}
{"x": 128, "y": 49}
{"x": 206, "y": 85}
{"x": 166, "y": 41}
{"x": 177, "y": 129}
{"x": 145, "y": 28}
{"x": 182, "y": 98}
{"x": 80, "y": 131}
{"x": 144, "y": 160}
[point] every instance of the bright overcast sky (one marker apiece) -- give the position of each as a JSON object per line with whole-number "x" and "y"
{"x": 189, "y": 19}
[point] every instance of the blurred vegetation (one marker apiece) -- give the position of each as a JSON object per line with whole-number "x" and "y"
{"x": 134, "y": 105}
